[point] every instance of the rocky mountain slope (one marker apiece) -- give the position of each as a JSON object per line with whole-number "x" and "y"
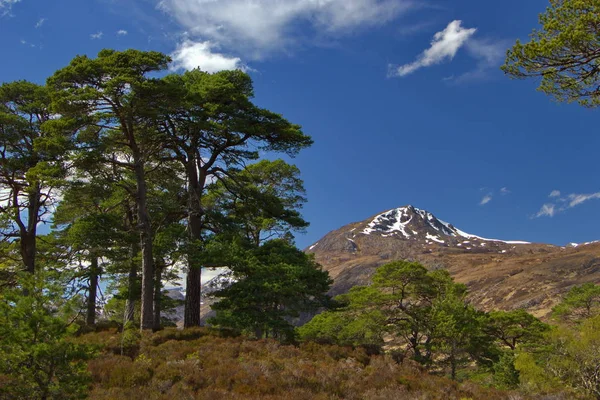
{"x": 500, "y": 274}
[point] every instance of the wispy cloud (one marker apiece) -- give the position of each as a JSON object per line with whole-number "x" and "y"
{"x": 6, "y": 6}
{"x": 122, "y": 32}
{"x": 504, "y": 191}
{"x": 190, "y": 55}
{"x": 97, "y": 35}
{"x": 486, "y": 199}
{"x": 547, "y": 210}
{"x": 413, "y": 29}
{"x": 554, "y": 193}
{"x": 444, "y": 46}
{"x": 26, "y": 43}
{"x": 489, "y": 55}
{"x": 40, "y": 23}
{"x": 563, "y": 203}
{"x": 258, "y": 27}
{"x": 577, "y": 199}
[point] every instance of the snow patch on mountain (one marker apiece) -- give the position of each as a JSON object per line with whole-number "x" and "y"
{"x": 582, "y": 244}
{"x": 399, "y": 220}
{"x": 434, "y": 238}
{"x": 392, "y": 221}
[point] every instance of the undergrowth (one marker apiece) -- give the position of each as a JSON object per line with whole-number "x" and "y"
{"x": 205, "y": 364}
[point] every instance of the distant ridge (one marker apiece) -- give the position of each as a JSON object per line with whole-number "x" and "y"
{"x": 503, "y": 274}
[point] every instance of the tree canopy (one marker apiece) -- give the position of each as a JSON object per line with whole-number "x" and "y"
{"x": 272, "y": 284}
{"x": 564, "y": 52}
{"x": 137, "y": 170}
{"x": 425, "y": 313}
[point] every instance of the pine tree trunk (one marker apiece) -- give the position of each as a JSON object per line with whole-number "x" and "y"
{"x": 453, "y": 362}
{"x": 193, "y": 295}
{"x": 147, "y": 314}
{"x": 158, "y": 294}
{"x": 193, "y": 291}
{"x": 90, "y": 319}
{"x": 28, "y": 250}
{"x": 28, "y": 234}
{"x": 132, "y": 285}
{"x": 132, "y": 280}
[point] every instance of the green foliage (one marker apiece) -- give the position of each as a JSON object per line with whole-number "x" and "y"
{"x": 88, "y": 217}
{"x": 221, "y": 118}
{"x": 456, "y": 335}
{"x": 571, "y": 357}
{"x": 38, "y": 359}
{"x": 31, "y": 167}
{"x": 567, "y": 355}
{"x": 211, "y": 129}
{"x": 424, "y": 312}
{"x": 514, "y": 328}
{"x": 272, "y": 283}
{"x": 581, "y": 302}
{"x": 506, "y": 375}
{"x": 130, "y": 340}
{"x": 532, "y": 376}
{"x": 263, "y": 199}
{"x": 156, "y": 166}
{"x": 347, "y": 328}
{"x": 513, "y": 331}
{"x": 86, "y": 88}
{"x": 565, "y": 52}
{"x": 109, "y": 105}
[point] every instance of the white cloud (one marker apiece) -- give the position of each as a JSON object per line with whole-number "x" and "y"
{"x": 122, "y": 32}
{"x": 261, "y": 26}
{"x": 486, "y": 199}
{"x": 6, "y": 5}
{"x": 444, "y": 46}
{"x": 577, "y": 199}
{"x": 547, "y": 210}
{"x": 554, "y": 193}
{"x": 504, "y": 191}
{"x": 97, "y": 35}
{"x": 569, "y": 201}
{"x": 189, "y": 55}
{"x": 40, "y": 23}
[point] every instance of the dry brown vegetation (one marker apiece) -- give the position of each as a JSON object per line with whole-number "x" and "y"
{"x": 200, "y": 364}
{"x": 499, "y": 276}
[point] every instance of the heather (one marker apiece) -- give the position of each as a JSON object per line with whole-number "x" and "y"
{"x": 204, "y": 364}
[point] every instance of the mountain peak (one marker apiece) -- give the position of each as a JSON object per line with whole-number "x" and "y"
{"x": 409, "y": 221}
{"x": 417, "y": 228}
{"x": 412, "y": 222}
{"x": 500, "y": 274}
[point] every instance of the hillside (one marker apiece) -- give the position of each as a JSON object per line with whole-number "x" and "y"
{"x": 500, "y": 274}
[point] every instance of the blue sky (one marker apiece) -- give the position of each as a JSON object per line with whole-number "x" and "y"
{"x": 404, "y": 99}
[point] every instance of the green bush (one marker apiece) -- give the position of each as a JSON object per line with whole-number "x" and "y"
{"x": 38, "y": 359}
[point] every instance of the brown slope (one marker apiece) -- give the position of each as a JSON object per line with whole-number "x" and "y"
{"x": 500, "y": 275}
